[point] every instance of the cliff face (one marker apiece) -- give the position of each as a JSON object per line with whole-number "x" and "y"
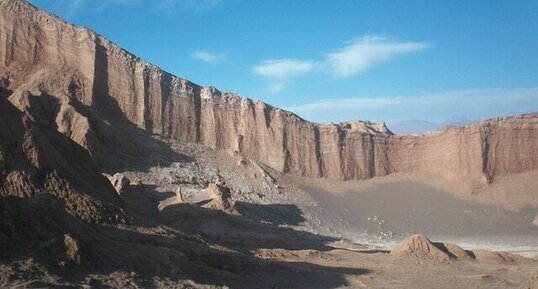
{"x": 481, "y": 151}
{"x": 38, "y": 161}
{"x": 40, "y": 51}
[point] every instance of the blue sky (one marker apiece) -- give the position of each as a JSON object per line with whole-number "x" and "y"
{"x": 330, "y": 61}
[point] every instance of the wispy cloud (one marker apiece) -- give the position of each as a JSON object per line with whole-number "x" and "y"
{"x": 73, "y": 7}
{"x": 190, "y": 5}
{"x": 368, "y": 51}
{"x": 472, "y": 104}
{"x": 281, "y": 71}
{"x": 209, "y": 57}
{"x": 360, "y": 55}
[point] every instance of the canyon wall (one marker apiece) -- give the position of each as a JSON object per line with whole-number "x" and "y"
{"x": 40, "y": 51}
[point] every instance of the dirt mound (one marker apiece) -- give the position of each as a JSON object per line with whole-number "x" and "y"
{"x": 456, "y": 252}
{"x": 419, "y": 246}
{"x": 496, "y": 257}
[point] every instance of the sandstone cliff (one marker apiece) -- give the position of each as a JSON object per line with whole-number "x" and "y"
{"x": 96, "y": 81}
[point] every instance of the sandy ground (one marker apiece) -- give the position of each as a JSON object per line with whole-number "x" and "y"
{"x": 381, "y": 270}
{"x": 289, "y": 233}
{"x": 393, "y": 210}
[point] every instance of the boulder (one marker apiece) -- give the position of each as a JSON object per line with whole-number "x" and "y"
{"x": 120, "y": 182}
{"x": 221, "y": 199}
{"x": 62, "y": 251}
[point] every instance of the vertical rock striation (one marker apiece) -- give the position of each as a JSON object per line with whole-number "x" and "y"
{"x": 38, "y": 50}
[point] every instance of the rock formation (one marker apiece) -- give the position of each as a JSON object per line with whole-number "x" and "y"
{"x": 120, "y": 182}
{"x": 420, "y": 247}
{"x": 221, "y": 199}
{"x": 532, "y": 283}
{"x": 63, "y": 250}
{"x": 38, "y": 160}
{"x": 95, "y": 81}
{"x": 74, "y": 105}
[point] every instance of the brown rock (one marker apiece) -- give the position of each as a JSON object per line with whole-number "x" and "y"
{"x": 71, "y": 249}
{"x": 419, "y": 246}
{"x": 36, "y": 158}
{"x": 120, "y": 182}
{"x": 532, "y": 283}
{"x": 4, "y": 82}
{"x": 457, "y": 252}
{"x": 495, "y": 257}
{"x": 62, "y": 251}
{"x": 221, "y": 199}
{"x": 40, "y": 50}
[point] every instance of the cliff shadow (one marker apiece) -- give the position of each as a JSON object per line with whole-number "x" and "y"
{"x": 240, "y": 232}
{"x": 119, "y": 143}
{"x": 107, "y": 253}
{"x": 144, "y": 200}
{"x": 275, "y": 214}
{"x": 4, "y": 91}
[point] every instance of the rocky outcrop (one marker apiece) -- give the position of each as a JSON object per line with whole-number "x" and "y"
{"x": 221, "y": 199}
{"x": 61, "y": 251}
{"x": 120, "y": 182}
{"x": 36, "y": 159}
{"x": 38, "y": 50}
{"x": 420, "y": 247}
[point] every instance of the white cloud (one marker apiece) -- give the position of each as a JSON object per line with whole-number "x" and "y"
{"x": 281, "y": 71}
{"x": 366, "y": 52}
{"x": 191, "y": 5}
{"x": 471, "y": 104}
{"x": 72, "y": 7}
{"x": 362, "y": 54}
{"x": 209, "y": 57}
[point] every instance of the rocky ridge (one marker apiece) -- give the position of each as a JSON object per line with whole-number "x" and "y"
{"x": 98, "y": 81}
{"x": 75, "y": 109}
{"x": 422, "y": 248}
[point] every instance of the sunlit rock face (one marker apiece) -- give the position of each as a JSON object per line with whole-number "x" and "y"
{"x": 90, "y": 77}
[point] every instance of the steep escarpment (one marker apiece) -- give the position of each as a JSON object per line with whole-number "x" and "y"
{"x": 40, "y": 50}
{"x": 480, "y": 151}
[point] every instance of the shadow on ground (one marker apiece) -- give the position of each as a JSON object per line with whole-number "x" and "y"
{"x": 32, "y": 229}
{"x": 239, "y": 232}
{"x": 276, "y": 214}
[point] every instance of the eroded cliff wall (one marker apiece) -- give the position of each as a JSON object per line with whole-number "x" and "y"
{"x": 38, "y": 50}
